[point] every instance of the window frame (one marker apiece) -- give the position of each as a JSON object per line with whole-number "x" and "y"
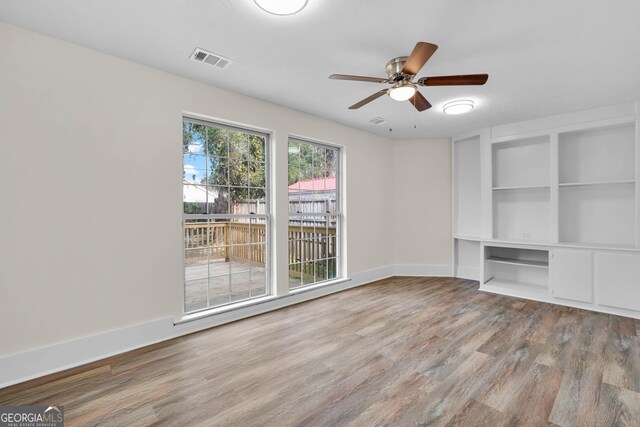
{"x": 339, "y": 215}
{"x": 267, "y": 217}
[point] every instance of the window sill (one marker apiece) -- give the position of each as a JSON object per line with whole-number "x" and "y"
{"x": 227, "y": 308}
{"x": 318, "y": 285}
{"x": 257, "y": 301}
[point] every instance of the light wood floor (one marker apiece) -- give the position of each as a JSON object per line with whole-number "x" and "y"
{"x": 404, "y": 351}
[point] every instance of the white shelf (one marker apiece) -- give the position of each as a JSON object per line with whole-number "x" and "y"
{"x": 591, "y": 245}
{"x": 516, "y": 268}
{"x": 545, "y": 244}
{"x": 513, "y": 261}
{"x": 516, "y": 289}
{"x": 522, "y": 187}
{"x": 467, "y": 237}
{"x": 496, "y": 282}
{"x": 578, "y": 184}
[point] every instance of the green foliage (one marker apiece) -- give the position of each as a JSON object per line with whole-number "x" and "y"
{"x": 190, "y": 208}
{"x": 308, "y": 161}
{"x": 236, "y": 160}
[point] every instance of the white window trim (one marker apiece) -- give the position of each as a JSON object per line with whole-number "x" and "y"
{"x": 341, "y": 269}
{"x": 269, "y": 291}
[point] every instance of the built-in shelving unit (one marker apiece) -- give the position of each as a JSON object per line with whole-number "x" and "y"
{"x": 507, "y": 268}
{"x": 564, "y": 185}
{"x": 521, "y": 189}
{"x": 597, "y": 197}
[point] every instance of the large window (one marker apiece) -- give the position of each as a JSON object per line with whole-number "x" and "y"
{"x": 226, "y": 214}
{"x": 314, "y": 213}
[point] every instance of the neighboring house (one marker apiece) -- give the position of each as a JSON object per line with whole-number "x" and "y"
{"x": 321, "y": 187}
{"x": 197, "y": 195}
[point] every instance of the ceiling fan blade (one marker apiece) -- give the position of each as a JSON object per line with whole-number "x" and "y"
{"x": 420, "y": 55}
{"x": 358, "y": 78}
{"x": 368, "y": 99}
{"x": 469, "y": 79}
{"x": 419, "y": 101}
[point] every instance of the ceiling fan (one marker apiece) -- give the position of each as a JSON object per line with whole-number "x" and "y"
{"x": 401, "y": 71}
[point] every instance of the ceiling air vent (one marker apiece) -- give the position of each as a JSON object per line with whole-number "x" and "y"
{"x": 201, "y": 55}
{"x": 377, "y": 120}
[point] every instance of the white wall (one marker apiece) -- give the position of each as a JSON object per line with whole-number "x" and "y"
{"x": 422, "y": 204}
{"x": 90, "y": 177}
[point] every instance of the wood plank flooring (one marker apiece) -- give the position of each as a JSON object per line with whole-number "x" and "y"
{"x": 399, "y": 352}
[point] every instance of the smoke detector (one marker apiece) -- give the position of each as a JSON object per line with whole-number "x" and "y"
{"x": 213, "y": 59}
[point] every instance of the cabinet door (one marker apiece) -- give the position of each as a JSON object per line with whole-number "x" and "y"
{"x": 618, "y": 280}
{"x": 571, "y": 275}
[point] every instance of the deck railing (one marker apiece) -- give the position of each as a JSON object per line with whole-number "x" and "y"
{"x": 245, "y": 242}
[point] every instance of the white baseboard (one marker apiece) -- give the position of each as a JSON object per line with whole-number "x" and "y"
{"x": 558, "y": 301}
{"x": 422, "y": 270}
{"x": 469, "y": 273}
{"x": 30, "y": 364}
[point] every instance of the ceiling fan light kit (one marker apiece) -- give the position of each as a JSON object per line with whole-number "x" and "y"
{"x": 402, "y": 92}
{"x": 400, "y": 74}
{"x": 459, "y": 106}
{"x": 281, "y": 7}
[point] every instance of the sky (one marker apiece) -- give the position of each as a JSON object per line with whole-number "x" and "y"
{"x": 195, "y": 162}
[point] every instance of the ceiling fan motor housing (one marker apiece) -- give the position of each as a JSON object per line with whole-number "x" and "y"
{"x": 394, "y": 69}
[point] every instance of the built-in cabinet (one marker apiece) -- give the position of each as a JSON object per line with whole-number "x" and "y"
{"x": 572, "y": 274}
{"x": 549, "y": 209}
{"x": 618, "y": 280}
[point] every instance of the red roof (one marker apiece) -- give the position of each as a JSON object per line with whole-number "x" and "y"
{"x": 316, "y": 184}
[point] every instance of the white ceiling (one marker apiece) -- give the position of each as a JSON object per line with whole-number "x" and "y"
{"x": 544, "y": 57}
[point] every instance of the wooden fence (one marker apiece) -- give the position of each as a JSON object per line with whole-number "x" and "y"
{"x": 298, "y": 208}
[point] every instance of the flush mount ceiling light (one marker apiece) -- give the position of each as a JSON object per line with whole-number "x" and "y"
{"x": 459, "y": 106}
{"x": 281, "y": 7}
{"x": 402, "y": 91}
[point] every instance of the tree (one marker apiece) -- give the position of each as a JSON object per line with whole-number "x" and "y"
{"x": 308, "y": 161}
{"x": 235, "y": 161}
